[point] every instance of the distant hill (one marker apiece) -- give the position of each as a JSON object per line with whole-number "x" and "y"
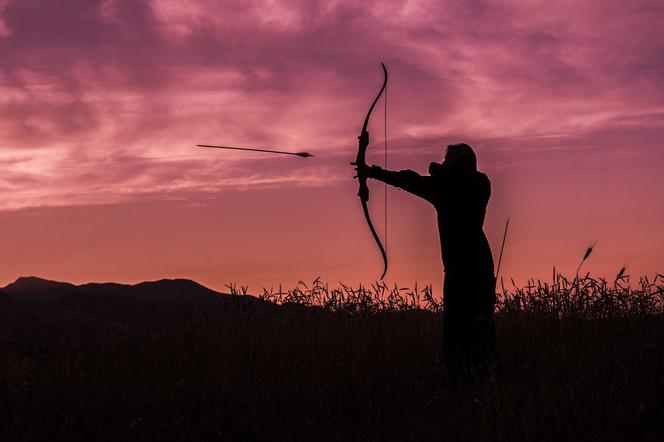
{"x": 38, "y": 289}
{"x": 108, "y": 301}
{"x": 168, "y": 291}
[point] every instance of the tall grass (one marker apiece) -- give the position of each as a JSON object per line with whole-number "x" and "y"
{"x": 367, "y": 299}
{"x": 585, "y": 296}
{"x": 581, "y": 359}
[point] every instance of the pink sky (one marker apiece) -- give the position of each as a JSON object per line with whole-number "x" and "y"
{"x": 102, "y": 101}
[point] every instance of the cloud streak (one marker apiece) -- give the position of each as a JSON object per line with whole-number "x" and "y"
{"x": 114, "y": 83}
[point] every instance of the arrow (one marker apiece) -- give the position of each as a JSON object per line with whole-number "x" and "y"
{"x": 299, "y": 154}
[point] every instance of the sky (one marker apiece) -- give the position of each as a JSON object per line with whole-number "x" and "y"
{"x": 103, "y": 101}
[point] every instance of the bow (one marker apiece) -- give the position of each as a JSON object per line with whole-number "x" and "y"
{"x": 363, "y": 192}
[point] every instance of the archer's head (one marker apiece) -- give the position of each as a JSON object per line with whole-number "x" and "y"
{"x": 458, "y": 158}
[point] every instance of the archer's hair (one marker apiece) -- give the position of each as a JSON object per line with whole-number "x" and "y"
{"x": 461, "y": 156}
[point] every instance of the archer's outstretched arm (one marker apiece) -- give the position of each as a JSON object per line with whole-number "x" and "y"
{"x": 408, "y": 180}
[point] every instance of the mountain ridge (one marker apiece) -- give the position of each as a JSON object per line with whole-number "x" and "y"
{"x": 32, "y": 284}
{"x": 108, "y": 301}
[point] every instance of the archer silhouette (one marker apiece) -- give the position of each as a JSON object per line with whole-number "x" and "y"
{"x": 459, "y": 193}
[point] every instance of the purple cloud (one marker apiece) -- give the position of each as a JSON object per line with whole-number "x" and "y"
{"x": 121, "y": 90}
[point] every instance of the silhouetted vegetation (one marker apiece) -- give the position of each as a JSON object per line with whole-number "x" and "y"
{"x": 581, "y": 359}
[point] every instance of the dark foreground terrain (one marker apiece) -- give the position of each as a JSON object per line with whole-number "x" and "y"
{"x": 580, "y": 360}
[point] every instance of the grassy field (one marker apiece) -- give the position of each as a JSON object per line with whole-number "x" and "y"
{"x": 581, "y": 359}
